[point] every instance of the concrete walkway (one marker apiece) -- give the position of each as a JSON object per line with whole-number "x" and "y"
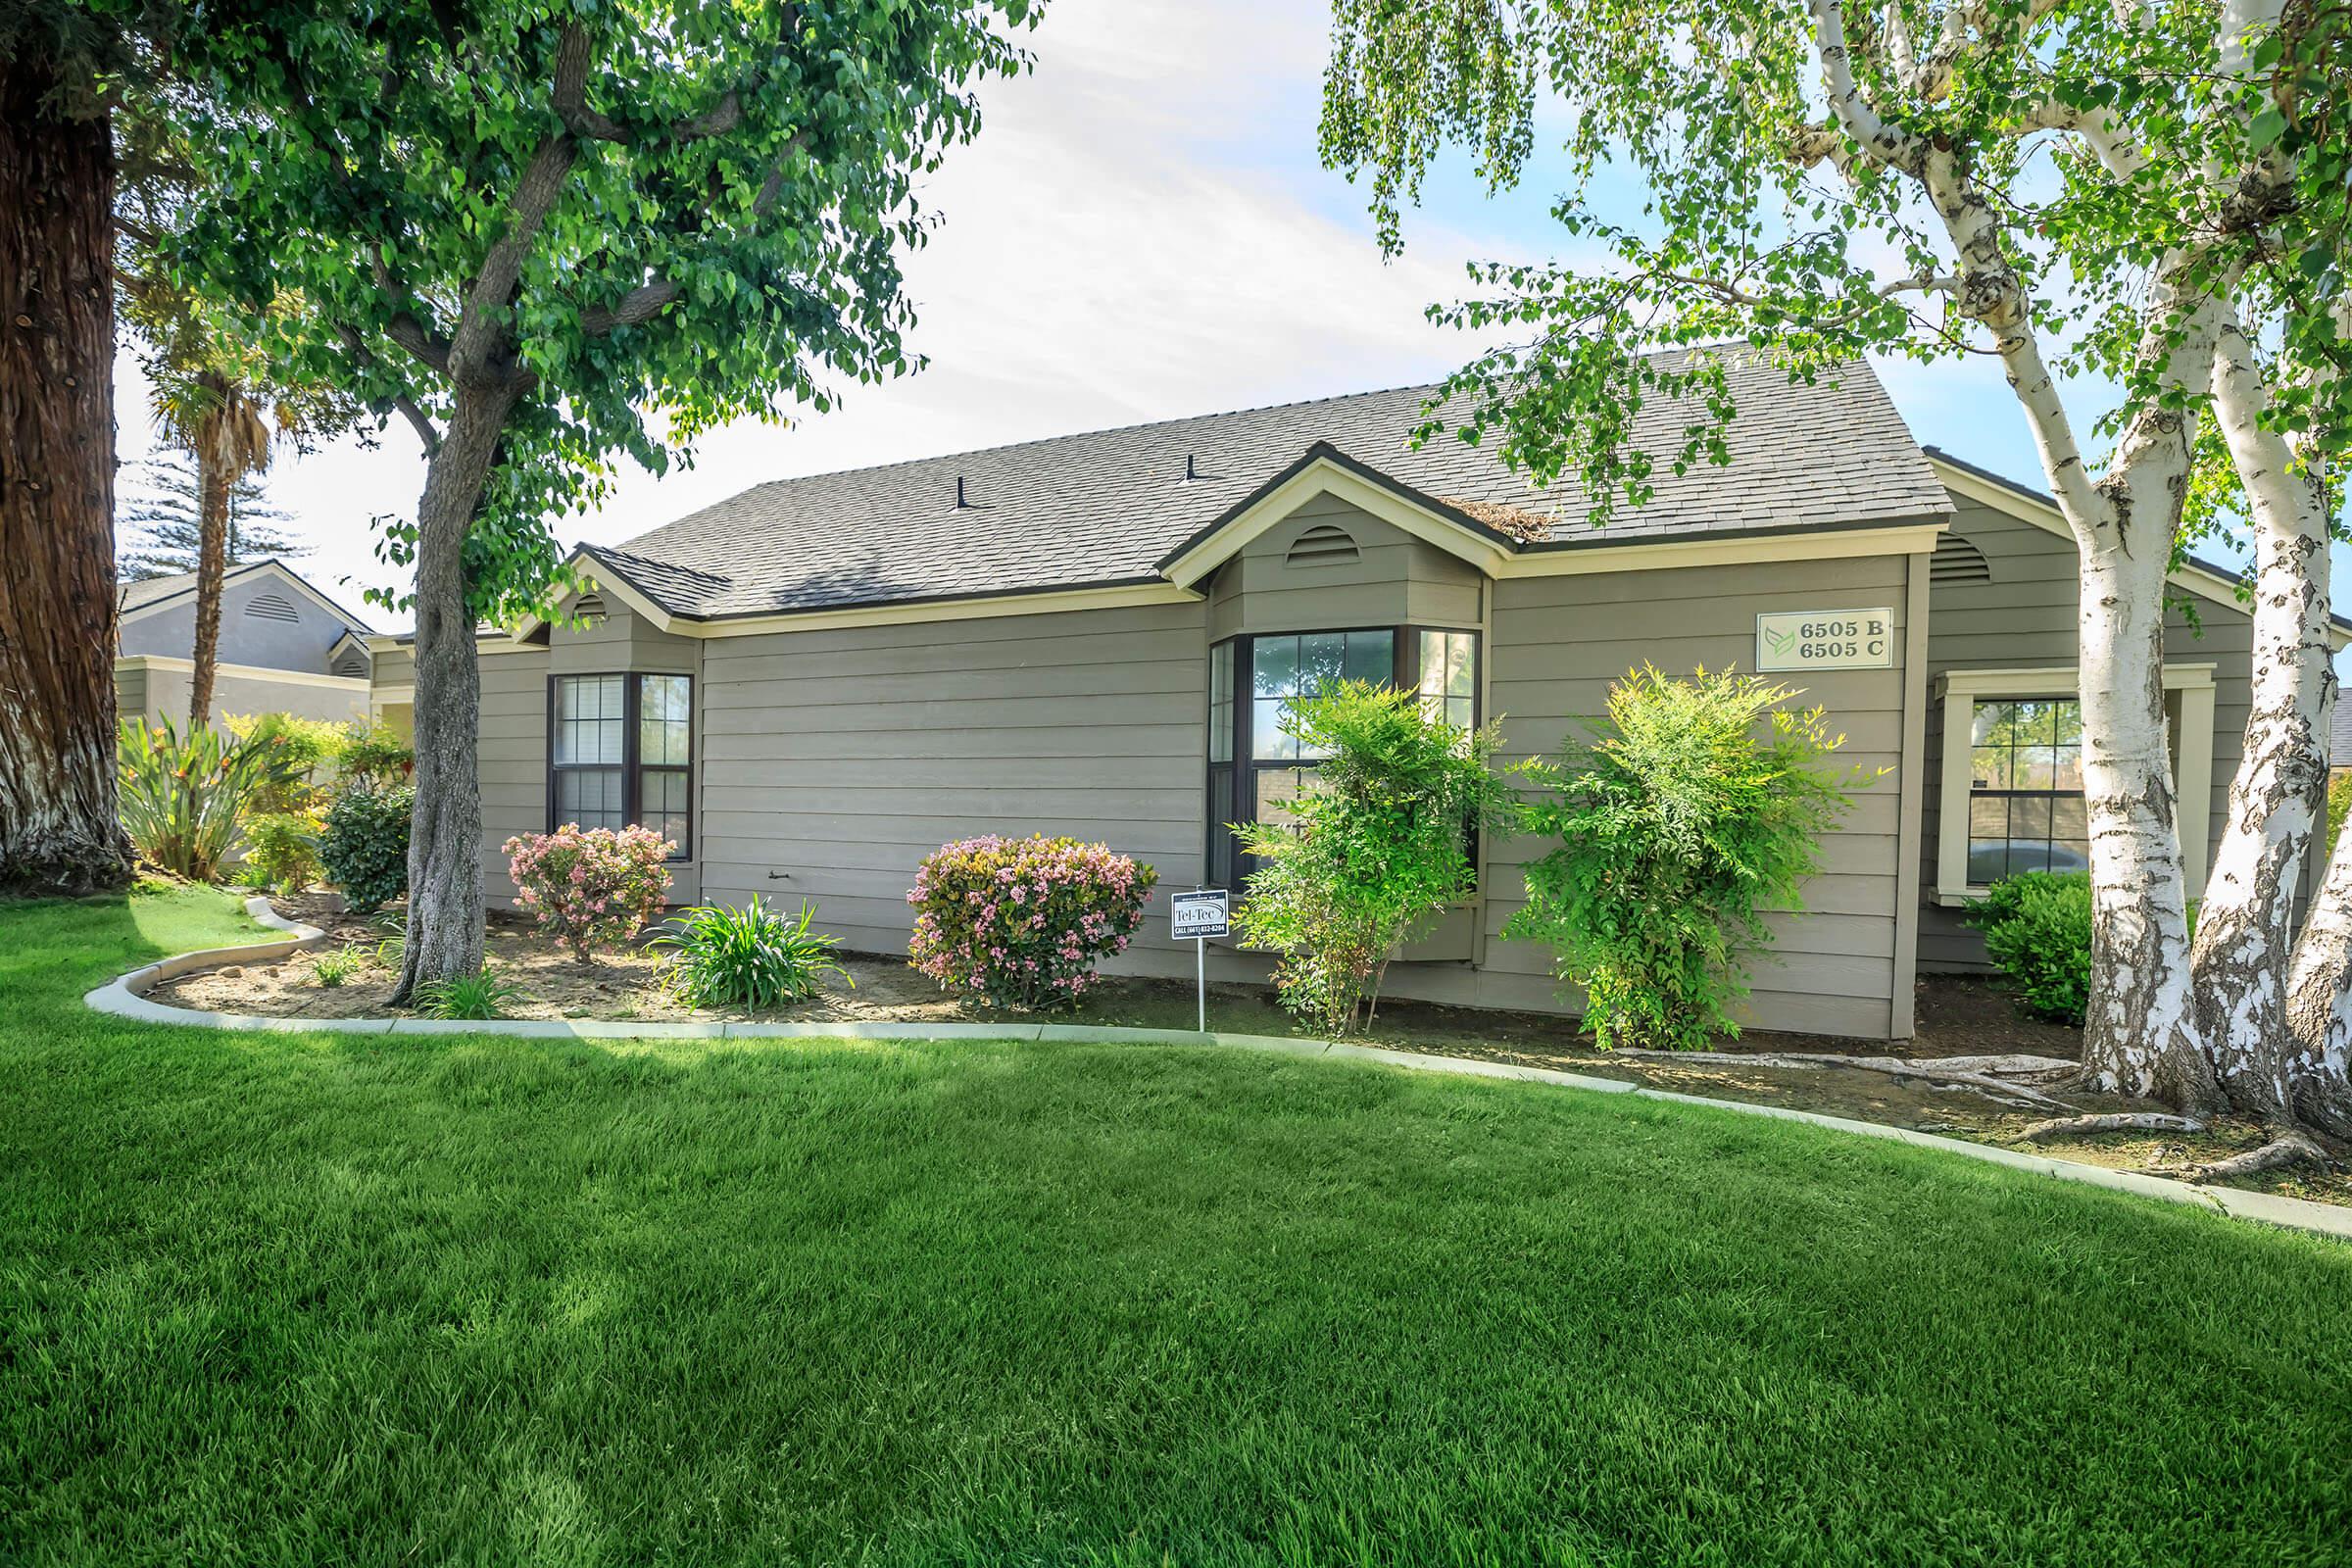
{"x": 126, "y": 997}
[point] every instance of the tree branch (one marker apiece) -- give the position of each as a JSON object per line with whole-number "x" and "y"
{"x": 416, "y": 415}
{"x": 1860, "y": 119}
{"x": 640, "y": 304}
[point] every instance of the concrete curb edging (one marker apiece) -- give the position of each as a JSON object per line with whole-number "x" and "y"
{"x": 126, "y": 997}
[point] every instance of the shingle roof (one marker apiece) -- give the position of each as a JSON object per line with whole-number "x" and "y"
{"x": 1107, "y": 506}
{"x": 147, "y": 591}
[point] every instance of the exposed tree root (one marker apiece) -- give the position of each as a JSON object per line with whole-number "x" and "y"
{"x": 2110, "y": 1122}
{"x": 1940, "y": 1071}
{"x": 2288, "y": 1148}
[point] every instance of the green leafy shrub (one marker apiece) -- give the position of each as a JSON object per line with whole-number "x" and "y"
{"x": 590, "y": 888}
{"x": 331, "y": 969}
{"x": 2340, "y": 800}
{"x": 755, "y": 957}
{"x": 1693, "y": 810}
{"x": 184, "y": 798}
{"x": 475, "y": 997}
{"x": 297, "y": 754}
{"x": 376, "y": 759}
{"x": 1022, "y": 922}
{"x": 282, "y": 851}
{"x": 2037, "y": 933}
{"x": 365, "y": 847}
{"x": 1379, "y": 843}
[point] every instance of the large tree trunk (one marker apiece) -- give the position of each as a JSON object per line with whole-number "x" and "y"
{"x": 445, "y": 829}
{"x": 2246, "y": 919}
{"x": 58, "y": 822}
{"x": 2319, "y": 1002}
{"x": 212, "y": 566}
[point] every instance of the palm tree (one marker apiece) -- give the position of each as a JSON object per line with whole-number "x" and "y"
{"x": 215, "y": 419}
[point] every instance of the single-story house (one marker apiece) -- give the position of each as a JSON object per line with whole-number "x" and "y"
{"x": 286, "y": 647}
{"x": 810, "y": 685}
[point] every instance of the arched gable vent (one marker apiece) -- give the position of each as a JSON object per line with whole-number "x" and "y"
{"x": 1957, "y": 560}
{"x": 1325, "y": 544}
{"x": 272, "y": 607}
{"x": 588, "y": 607}
{"x": 353, "y": 666}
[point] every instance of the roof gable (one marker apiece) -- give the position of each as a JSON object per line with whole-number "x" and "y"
{"x": 152, "y": 594}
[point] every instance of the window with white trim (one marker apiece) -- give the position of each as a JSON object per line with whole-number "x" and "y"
{"x": 2011, "y": 799}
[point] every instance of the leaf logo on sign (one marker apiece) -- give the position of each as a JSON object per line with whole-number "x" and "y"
{"x": 1780, "y": 641}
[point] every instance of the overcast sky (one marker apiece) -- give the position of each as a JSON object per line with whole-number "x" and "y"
{"x": 1141, "y": 231}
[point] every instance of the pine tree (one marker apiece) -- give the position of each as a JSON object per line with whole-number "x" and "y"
{"x": 163, "y": 533}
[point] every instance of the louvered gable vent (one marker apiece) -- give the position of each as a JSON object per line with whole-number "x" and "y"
{"x": 272, "y": 607}
{"x": 1325, "y": 544}
{"x": 1957, "y": 560}
{"x": 352, "y": 665}
{"x": 589, "y": 608}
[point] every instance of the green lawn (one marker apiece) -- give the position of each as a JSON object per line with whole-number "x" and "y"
{"x": 297, "y": 1299}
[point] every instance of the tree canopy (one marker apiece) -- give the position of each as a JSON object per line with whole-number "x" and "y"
{"x": 648, "y": 218}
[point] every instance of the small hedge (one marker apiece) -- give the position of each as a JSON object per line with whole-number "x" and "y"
{"x": 2037, "y": 933}
{"x": 590, "y": 888}
{"x": 365, "y": 848}
{"x": 1022, "y": 922}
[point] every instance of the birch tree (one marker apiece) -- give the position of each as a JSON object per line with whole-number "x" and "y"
{"x": 547, "y": 234}
{"x": 2133, "y": 195}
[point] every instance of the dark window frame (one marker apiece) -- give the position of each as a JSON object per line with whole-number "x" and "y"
{"x": 633, "y": 767}
{"x": 1245, "y": 766}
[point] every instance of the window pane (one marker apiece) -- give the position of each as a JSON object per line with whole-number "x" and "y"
{"x": 665, "y": 719}
{"x": 1322, "y": 660}
{"x": 588, "y": 720}
{"x": 1458, "y": 711}
{"x": 590, "y": 797}
{"x": 1372, "y": 656}
{"x": 1277, "y": 787}
{"x": 1989, "y": 768}
{"x": 1461, "y": 671}
{"x": 1221, "y": 847}
{"x": 2068, "y": 768}
{"x": 1995, "y": 725}
{"x": 2037, "y": 767}
{"x": 2069, "y": 834}
{"x": 1266, "y": 738}
{"x": 667, "y": 797}
{"x": 1433, "y": 664}
{"x": 1988, "y": 838}
{"x": 1274, "y": 667}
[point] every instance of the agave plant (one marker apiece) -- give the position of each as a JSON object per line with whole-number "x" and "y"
{"x": 184, "y": 796}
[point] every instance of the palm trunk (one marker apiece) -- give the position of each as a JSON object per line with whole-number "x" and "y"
{"x": 2245, "y": 922}
{"x": 212, "y": 566}
{"x": 58, "y": 823}
{"x": 445, "y": 829}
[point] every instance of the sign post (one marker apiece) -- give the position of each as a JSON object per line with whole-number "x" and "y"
{"x": 1200, "y": 915}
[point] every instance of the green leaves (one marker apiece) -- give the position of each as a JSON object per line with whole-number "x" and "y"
{"x": 755, "y": 163}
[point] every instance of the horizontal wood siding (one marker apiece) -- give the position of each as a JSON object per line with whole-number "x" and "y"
{"x": 2025, "y": 618}
{"x": 836, "y": 759}
{"x": 1395, "y": 579}
{"x": 514, "y": 760}
{"x": 1557, "y": 646}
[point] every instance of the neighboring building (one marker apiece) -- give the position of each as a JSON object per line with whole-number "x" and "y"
{"x": 815, "y": 683}
{"x": 285, "y": 647}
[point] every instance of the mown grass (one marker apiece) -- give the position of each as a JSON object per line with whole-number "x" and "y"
{"x": 295, "y": 1299}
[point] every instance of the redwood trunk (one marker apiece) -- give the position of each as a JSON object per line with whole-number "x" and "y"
{"x": 445, "y": 828}
{"x": 58, "y": 823}
{"x": 212, "y": 567}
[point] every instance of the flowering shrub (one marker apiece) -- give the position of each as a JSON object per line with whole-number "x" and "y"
{"x": 1022, "y": 922}
{"x": 590, "y": 888}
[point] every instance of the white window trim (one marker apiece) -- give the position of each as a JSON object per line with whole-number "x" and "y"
{"x": 2193, "y": 745}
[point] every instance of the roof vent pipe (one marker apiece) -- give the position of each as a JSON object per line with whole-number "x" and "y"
{"x": 960, "y": 501}
{"x": 1189, "y": 474}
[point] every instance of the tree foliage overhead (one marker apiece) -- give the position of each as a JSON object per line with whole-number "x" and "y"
{"x": 2103, "y": 138}
{"x": 639, "y": 221}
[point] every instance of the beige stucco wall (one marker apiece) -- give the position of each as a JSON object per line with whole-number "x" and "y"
{"x": 2025, "y": 617}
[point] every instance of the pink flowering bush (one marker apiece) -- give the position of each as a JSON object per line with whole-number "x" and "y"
{"x": 590, "y": 888}
{"x": 1022, "y": 922}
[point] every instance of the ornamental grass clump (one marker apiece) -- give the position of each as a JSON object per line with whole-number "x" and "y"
{"x": 590, "y": 888}
{"x": 185, "y": 797}
{"x": 1022, "y": 922}
{"x": 1693, "y": 811}
{"x": 756, "y": 956}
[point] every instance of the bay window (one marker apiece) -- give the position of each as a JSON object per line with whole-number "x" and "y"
{"x": 622, "y": 750}
{"x": 1254, "y": 768}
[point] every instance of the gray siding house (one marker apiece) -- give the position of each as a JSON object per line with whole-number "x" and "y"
{"x": 815, "y": 683}
{"x": 286, "y": 647}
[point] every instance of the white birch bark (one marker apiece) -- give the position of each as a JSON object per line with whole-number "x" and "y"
{"x": 2245, "y": 922}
